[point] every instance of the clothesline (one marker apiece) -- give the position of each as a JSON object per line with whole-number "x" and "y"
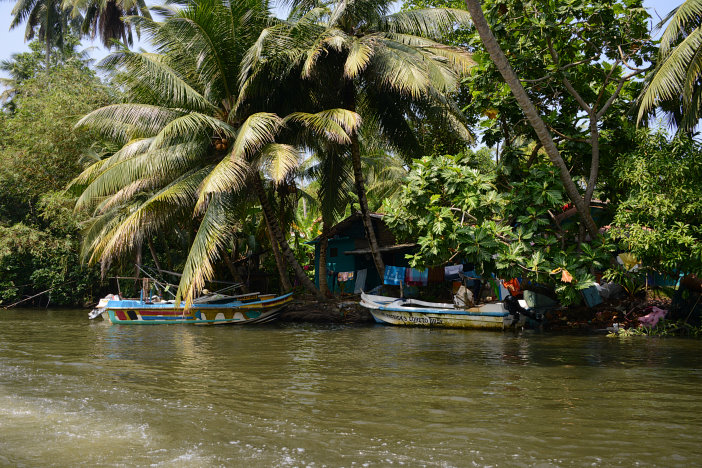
{"x": 395, "y": 275}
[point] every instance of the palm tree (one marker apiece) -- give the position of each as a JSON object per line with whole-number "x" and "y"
{"x": 189, "y": 142}
{"x": 331, "y": 172}
{"x": 676, "y": 81}
{"x": 105, "y": 18}
{"x": 48, "y": 20}
{"x": 387, "y": 67}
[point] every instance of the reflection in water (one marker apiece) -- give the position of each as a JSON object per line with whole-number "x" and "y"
{"x": 76, "y": 392}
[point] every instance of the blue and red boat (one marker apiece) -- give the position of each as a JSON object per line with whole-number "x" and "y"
{"x": 210, "y": 310}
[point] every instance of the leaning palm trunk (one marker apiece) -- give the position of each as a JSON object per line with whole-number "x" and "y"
{"x": 47, "y": 54}
{"x": 235, "y": 273}
{"x": 137, "y": 266}
{"x": 532, "y": 114}
{"x": 360, "y": 186}
{"x": 363, "y": 202}
{"x": 157, "y": 264}
{"x": 322, "y": 268}
{"x": 277, "y": 236}
{"x": 279, "y": 263}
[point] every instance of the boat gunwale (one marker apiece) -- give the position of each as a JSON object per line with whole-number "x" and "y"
{"x": 388, "y": 307}
{"x": 435, "y": 312}
{"x": 137, "y": 304}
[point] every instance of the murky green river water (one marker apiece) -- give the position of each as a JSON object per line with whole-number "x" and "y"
{"x": 74, "y": 392}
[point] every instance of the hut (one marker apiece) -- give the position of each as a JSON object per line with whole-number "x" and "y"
{"x": 350, "y": 266}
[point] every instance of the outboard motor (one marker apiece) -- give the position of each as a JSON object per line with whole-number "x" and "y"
{"x": 513, "y": 307}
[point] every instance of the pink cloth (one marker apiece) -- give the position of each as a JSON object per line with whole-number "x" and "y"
{"x": 652, "y": 318}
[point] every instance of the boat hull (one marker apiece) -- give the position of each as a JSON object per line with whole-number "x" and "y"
{"x": 237, "y": 313}
{"x": 394, "y": 311}
{"x": 441, "y": 320}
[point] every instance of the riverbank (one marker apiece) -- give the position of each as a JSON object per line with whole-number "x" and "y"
{"x": 625, "y": 313}
{"x": 337, "y": 310}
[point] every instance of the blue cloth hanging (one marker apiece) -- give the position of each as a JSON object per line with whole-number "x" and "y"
{"x": 415, "y": 277}
{"x": 394, "y": 275}
{"x": 451, "y": 272}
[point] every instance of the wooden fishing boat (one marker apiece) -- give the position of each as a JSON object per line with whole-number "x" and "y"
{"x": 412, "y": 312}
{"x": 210, "y": 310}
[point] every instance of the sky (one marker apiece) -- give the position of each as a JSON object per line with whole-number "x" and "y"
{"x": 13, "y": 41}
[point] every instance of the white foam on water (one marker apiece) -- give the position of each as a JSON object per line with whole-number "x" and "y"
{"x": 67, "y": 432}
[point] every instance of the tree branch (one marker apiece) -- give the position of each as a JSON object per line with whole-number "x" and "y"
{"x": 604, "y": 83}
{"x": 565, "y": 67}
{"x": 616, "y": 92}
{"x": 584, "y": 105}
{"x": 569, "y": 138}
{"x": 534, "y": 153}
{"x": 626, "y": 62}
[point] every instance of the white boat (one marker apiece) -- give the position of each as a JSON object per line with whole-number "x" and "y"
{"x": 412, "y": 312}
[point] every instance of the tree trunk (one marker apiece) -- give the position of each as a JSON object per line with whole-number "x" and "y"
{"x": 532, "y": 114}
{"x": 277, "y": 236}
{"x": 595, "y": 163}
{"x": 153, "y": 255}
{"x": 48, "y": 52}
{"x": 233, "y": 270}
{"x": 137, "y": 266}
{"x": 322, "y": 268}
{"x": 279, "y": 263}
{"x": 360, "y": 187}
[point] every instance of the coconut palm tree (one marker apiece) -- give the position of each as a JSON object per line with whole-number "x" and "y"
{"x": 331, "y": 172}
{"x": 387, "y": 67}
{"x": 676, "y": 81}
{"x": 105, "y": 18}
{"x": 189, "y": 143}
{"x": 48, "y": 20}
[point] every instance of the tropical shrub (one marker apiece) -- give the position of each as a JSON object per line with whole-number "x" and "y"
{"x": 456, "y": 212}
{"x": 659, "y": 216}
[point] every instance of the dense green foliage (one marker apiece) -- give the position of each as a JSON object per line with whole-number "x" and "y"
{"x": 39, "y": 153}
{"x": 244, "y": 134}
{"x": 576, "y": 61}
{"x": 457, "y": 212}
{"x": 659, "y": 218}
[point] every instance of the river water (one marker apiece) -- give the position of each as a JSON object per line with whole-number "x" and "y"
{"x": 74, "y": 392}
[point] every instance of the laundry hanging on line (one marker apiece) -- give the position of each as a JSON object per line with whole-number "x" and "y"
{"x": 394, "y": 275}
{"x": 451, "y": 272}
{"x": 345, "y": 276}
{"x": 415, "y": 277}
{"x": 360, "y": 281}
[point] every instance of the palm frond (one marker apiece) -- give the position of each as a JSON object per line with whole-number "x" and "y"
{"x": 459, "y": 59}
{"x": 434, "y": 23}
{"x": 280, "y": 160}
{"x": 399, "y": 67}
{"x": 159, "y": 166}
{"x": 335, "y": 125}
{"x": 683, "y": 19}
{"x": 124, "y": 122}
{"x": 671, "y": 74}
{"x": 146, "y": 218}
{"x": 153, "y": 72}
{"x": 360, "y": 54}
{"x": 213, "y": 235}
